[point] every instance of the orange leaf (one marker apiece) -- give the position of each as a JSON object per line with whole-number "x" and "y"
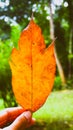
{"x": 33, "y": 68}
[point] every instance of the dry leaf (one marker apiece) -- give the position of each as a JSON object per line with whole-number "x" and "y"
{"x": 33, "y": 68}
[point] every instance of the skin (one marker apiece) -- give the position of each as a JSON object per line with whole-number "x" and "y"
{"x": 19, "y": 118}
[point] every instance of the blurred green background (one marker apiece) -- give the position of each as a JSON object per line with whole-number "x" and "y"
{"x": 14, "y": 17}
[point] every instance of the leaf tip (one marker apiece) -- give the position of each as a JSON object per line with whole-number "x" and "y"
{"x": 32, "y": 15}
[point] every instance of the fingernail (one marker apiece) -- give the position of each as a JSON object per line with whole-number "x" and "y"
{"x": 27, "y": 115}
{"x": 33, "y": 119}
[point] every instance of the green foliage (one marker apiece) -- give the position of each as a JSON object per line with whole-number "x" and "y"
{"x": 5, "y": 73}
{"x": 57, "y": 83}
{"x": 1, "y": 104}
{"x": 70, "y": 83}
{"x": 15, "y": 34}
{"x": 70, "y": 56}
{"x": 14, "y": 17}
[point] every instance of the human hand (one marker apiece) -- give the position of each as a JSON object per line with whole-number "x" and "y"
{"x": 20, "y": 119}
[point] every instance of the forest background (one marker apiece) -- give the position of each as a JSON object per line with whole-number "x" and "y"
{"x": 55, "y": 17}
{"x": 15, "y": 16}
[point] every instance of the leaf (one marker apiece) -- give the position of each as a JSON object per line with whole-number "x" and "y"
{"x": 33, "y": 68}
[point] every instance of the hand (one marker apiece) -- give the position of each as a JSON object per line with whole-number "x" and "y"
{"x": 21, "y": 119}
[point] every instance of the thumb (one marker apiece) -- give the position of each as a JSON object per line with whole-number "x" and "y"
{"x": 22, "y": 121}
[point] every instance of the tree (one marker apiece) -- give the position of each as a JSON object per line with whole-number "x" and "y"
{"x": 14, "y": 17}
{"x": 70, "y": 11}
{"x": 52, "y": 36}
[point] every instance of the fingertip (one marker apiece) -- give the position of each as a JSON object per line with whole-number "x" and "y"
{"x": 33, "y": 120}
{"x": 27, "y": 115}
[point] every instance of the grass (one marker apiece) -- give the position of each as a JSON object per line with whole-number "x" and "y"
{"x": 57, "y": 112}
{"x": 1, "y": 104}
{"x": 59, "y": 105}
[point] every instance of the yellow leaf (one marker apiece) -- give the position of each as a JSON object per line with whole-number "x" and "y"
{"x": 33, "y": 68}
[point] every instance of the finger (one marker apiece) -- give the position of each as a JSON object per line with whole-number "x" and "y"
{"x": 32, "y": 122}
{"x": 22, "y": 121}
{"x": 9, "y": 115}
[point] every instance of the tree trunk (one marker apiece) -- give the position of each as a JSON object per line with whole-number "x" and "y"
{"x": 70, "y": 52}
{"x": 70, "y": 10}
{"x": 52, "y": 36}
